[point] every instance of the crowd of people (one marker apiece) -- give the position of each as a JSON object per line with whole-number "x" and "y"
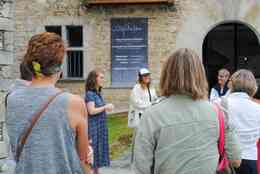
{"x": 178, "y": 131}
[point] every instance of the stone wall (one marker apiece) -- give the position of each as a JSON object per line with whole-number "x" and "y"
{"x": 6, "y": 61}
{"x": 204, "y": 15}
{"x": 184, "y": 24}
{"x": 163, "y": 25}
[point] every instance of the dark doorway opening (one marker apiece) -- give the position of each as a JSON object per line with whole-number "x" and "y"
{"x": 232, "y": 46}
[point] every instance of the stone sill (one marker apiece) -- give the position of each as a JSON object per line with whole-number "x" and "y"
{"x": 82, "y": 80}
{"x": 66, "y": 80}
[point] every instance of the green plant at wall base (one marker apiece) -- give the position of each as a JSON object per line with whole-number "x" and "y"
{"x": 120, "y": 136}
{"x": 84, "y": 2}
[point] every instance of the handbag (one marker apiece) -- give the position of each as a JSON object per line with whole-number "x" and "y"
{"x": 134, "y": 117}
{"x": 224, "y": 167}
{"x": 258, "y": 156}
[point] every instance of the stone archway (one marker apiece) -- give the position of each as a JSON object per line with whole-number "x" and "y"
{"x": 232, "y": 45}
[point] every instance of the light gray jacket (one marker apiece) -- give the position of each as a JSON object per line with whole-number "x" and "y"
{"x": 180, "y": 136}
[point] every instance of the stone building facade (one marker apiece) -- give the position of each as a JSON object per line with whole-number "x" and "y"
{"x": 178, "y": 23}
{"x": 6, "y": 62}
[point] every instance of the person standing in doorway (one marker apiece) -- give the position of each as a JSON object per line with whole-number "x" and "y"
{"x": 97, "y": 121}
{"x": 220, "y": 89}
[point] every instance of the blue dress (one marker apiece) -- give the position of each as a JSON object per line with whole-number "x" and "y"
{"x": 98, "y": 131}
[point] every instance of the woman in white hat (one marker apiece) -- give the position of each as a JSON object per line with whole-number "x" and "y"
{"x": 142, "y": 96}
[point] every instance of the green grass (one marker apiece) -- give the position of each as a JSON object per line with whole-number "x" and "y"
{"x": 120, "y": 136}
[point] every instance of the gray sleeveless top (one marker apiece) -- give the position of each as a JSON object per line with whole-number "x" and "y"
{"x": 50, "y": 148}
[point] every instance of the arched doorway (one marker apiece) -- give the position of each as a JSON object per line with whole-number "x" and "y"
{"x": 233, "y": 46}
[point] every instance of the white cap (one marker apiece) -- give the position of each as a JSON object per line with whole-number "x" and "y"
{"x": 144, "y": 71}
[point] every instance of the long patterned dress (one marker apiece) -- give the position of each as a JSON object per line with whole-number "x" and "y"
{"x": 98, "y": 131}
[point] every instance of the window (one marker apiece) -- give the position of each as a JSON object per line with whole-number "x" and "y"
{"x": 75, "y": 51}
{"x": 74, "y": 35}
{"x": 2, "y": 40}
{"x": 74, "y": 63}
{"x": 54, "y": 29}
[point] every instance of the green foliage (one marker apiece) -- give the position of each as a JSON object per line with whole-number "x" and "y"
{"x": 120, "y": 136}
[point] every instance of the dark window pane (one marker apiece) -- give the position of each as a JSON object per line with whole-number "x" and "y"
{"x": 54, "y": 29}
{"x": 75, "y": 64}
{"x": 75, "y": 36}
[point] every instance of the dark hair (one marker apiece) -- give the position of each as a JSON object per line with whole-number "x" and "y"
{"x": 141, "y": 81}
{"x": 91, "y": 81}
{"x": 25, "y": 73}
{"x": 46, "y": 49}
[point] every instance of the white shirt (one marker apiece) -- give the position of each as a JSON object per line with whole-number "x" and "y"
{"x": 139, "y": 101}
{"x": 244, "y": 115}
{"x": 214, "y": 94}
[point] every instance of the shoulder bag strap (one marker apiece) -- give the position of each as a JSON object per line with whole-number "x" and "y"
{"x": 6, "y": 99}
{"x": 27, "y": 131}
{"x": 149, "y": 92}
{"x": 258, "y": 156}
{"x": 221, "y": 143}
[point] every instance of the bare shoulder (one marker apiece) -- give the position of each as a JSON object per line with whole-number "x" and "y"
{"x": 77, "y": 112}
{"x": 76, "y": 99}
{"x": 77, "y": 104}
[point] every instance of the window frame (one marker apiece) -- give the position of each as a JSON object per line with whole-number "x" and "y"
{"x": 64, "y": 36}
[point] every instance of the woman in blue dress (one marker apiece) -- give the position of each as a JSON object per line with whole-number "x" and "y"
{"x": 97, "y": 120}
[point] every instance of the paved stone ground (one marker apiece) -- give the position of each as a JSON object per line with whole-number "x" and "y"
{"x": 120, "y": 166}
{"x": 9, "y": 163}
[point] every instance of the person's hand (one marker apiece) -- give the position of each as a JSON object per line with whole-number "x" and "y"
{"x": 109, "y": 107}
{"x": 90, "y": 156}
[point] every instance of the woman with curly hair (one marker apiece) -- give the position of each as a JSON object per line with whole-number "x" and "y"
{"x": 43, "y": 122}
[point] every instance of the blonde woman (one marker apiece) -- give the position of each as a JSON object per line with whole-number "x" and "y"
{"x": 142, "y": 96}
{"x": 220, "y": 89}
{"x": 244, "y": 115}
{"x": 179, "y": 135}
